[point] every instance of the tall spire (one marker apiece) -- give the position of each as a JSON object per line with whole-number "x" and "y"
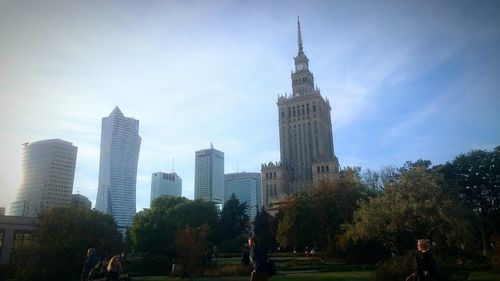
{"x": 299, "y": 40}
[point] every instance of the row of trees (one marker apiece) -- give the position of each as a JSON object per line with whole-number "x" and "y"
{"x": 363, "y": 217}
{"x": 372, "y": 215}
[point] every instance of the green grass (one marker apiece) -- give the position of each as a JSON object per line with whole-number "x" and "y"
{"x": 334, "y": 276}
{"x": 485, "y": 275}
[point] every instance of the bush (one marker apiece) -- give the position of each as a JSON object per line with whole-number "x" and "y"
{"x": 399, "y": 268}
{"x": 227, "y": 270}
{"x": 148, "y": 266}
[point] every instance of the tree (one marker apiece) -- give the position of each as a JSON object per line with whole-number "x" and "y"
{"x": 297, "y": 228}
{"x": 61, "y": 240}
{"x": 413, "y": 207}
{"x": 314, "y": 218}
{"x": 153, "y": 231}
{"x": 233, "y": 224}
{"x": 263, "y": 229}
{"x": 476, "y": 176}
{"x": 191, "y": 244}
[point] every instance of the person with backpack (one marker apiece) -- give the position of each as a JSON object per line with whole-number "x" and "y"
{"x": 258, "y": 258}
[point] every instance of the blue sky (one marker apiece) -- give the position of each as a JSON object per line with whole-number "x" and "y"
{"x": 406, "y": 79}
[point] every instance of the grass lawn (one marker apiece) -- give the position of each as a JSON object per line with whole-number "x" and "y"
{"x": 334, "y": 276}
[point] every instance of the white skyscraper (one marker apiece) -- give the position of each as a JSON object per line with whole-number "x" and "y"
{"x": 165, "y": 184}
{"x": 247, "y": 188}
{"x": 48, "y": 172}
{"x": 209, "y": 175}
{"x": 120, "y": 145}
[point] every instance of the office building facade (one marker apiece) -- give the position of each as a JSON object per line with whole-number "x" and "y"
{"x": 209, "y": 175}
{"x": 120, "y": 146}
{"x": 48, "y": 172}
{"x": 163, "y": 184}
{"x": 246, "y": 188}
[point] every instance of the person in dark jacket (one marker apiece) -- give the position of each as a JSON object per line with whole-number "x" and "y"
{"x": 258, "y": 257}
{"x": 424, "y": 266}
{"x": 91, "y": 262}
{"x": 98, "y": 273}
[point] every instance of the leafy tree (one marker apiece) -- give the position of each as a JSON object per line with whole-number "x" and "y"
{"x": 191, "y": 244}
{"x": 314, "y": 218}
{"x": 297, "y": 228}
{"x": 233, "y": 224}
{"x": 153, "y": 231}
{"x": 476, "y": 175}
{"x": 61, "y": 240}
{"x": 411, "y": 208}
{"x": 263, "y": 224}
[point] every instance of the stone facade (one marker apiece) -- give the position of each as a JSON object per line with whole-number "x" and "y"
{"x": 306, "y": 138}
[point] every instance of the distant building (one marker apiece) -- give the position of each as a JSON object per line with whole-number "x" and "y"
{"x": 120, "y": 145}
{"x": 246, "y": 187}
{"x": 306, "y": 138}
{"x": 209, "y": 175}
{"x": 48, "y": 172}
{"x": 165, "y": 184}
{"x": 80, "y": 201}
{"x": 2, "y": 211}
{"x": 14, "y": 231}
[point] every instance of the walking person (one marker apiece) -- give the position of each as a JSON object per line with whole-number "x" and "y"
{"x": 258, "y": 257}
{"x": 424, "y": 266}
{"x": 90, "y": 262}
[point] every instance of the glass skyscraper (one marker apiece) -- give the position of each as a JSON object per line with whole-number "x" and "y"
{"x": 48, "y": 172}
{"x": 246, "y": 187}
{"x": 209, "y": 175}
{"x": 120, "y": 145}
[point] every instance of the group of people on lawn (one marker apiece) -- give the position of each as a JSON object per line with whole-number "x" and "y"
{"x": 101, "y": 269}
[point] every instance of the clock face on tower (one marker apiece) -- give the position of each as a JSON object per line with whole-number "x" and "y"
{"x": 301, "y": 66}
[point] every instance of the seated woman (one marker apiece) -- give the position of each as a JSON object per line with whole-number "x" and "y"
{"x": 114, "y": 270}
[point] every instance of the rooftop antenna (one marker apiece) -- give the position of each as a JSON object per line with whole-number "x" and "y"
{"x": 173, "y": 164}
{"x": 299, "y": 40}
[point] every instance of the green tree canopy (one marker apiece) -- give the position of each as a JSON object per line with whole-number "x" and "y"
{"x": 61, "y": 240}
{"x": 153, "y": 230}
{"x": 233, "y": 219}
{"x": 314, "y": 218}
{"x": 263, "y": 224}
{"x": 413, "y": 207}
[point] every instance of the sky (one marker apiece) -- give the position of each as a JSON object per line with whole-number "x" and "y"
{"x": 406, "y": 80}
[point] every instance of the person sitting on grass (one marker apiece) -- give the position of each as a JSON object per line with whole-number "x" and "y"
{"x": 114, "y": 270}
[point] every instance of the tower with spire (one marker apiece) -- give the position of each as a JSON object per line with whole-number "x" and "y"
{"x": 306, "y": 138}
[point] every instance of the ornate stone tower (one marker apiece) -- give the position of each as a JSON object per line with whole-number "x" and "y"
{"x": 306, "y": 139}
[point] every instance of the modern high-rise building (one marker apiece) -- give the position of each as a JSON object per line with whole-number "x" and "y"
{"x": 80, "y": 201}
{"x": 306, "y": 138}
{"x": 48, "y": 172}
{"x": 246, "y": 187}
{"x": 120, "y": 145}
{"x": 209, "y": 175}
{"x": 163, "y": 184}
